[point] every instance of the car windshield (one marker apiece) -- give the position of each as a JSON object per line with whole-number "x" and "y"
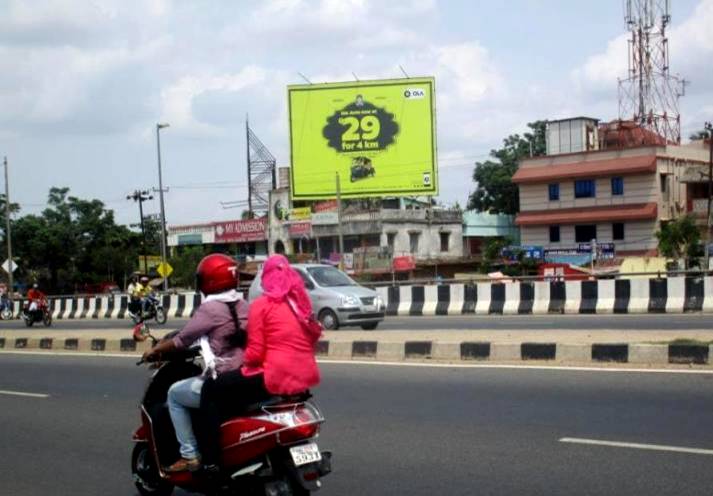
{"x": 330, "y": 277}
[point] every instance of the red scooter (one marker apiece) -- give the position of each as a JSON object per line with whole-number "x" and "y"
{"x": 270, "y": 450}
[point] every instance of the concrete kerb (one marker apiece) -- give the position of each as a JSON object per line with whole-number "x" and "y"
{"x": 381, "y": 348}
{"x": 648, "y": 353}
{"x": 574, "y": 353}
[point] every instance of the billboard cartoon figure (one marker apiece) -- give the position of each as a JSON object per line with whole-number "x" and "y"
{"x": 361, "y": 168}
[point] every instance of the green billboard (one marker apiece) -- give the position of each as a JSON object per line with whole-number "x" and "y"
{"x": 380, "y": 136}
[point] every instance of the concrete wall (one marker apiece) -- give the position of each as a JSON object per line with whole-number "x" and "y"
{"x": 429, "y": 245}
{"x": 642, "y": 188}
{"x": 638, "y": 236}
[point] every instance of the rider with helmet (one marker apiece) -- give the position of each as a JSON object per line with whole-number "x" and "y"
{"x": 35, "y": 298}
{"x": 142, "y": 291}
{"x": 219, "y": 323}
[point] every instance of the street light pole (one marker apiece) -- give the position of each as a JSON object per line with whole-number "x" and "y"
{"x": 141, "y": 197}
{"x": 163, "y": 210}
{"x": 709, "y": 128}
{"x": 8, "y": 235}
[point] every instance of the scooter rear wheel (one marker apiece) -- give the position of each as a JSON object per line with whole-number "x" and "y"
{"x": 145, "y": 473}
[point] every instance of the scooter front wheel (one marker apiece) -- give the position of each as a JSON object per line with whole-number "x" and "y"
{"x": 160, "y": 316}
{"x": 145, "y": 473}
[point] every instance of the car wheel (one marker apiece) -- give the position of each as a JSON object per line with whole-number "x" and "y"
{"x": 329, "y": 320}
{"x": 370, "y": 326}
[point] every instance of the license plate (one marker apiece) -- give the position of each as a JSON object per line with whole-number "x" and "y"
{"x": 370, "y": 308}
{"x": 305, "y": 453}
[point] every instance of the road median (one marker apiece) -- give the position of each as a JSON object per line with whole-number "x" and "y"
{"x": 572, "y": 347}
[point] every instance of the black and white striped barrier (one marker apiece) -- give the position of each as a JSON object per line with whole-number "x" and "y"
{"x": 656, "y": 295}
{"x": 665, "y": 295}
{"x": 113, "y": 307}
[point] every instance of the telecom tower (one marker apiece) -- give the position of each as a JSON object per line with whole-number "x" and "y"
{"x": 649, "y": 95}
{"x": 261, "y": 174}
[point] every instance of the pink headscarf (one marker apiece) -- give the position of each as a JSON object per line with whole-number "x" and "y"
{"x": 281, "y": 282}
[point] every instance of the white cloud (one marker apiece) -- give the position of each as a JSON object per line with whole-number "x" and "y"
{"x": 177, "y": 99}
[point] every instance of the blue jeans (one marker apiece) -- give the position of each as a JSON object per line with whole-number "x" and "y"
{"x": 183, "y": 395}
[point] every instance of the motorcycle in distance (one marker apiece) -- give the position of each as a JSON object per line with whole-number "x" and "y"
{"x": 270, "y": 450}
{"x": 154, "y": 311}
{"x": 5, "y": 308}
{"x": 41, "y": 313}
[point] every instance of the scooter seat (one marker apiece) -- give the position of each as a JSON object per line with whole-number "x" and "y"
{"x": 277, "y": 400}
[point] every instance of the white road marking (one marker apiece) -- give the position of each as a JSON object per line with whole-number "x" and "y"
{"x": 640, "y": 446}
{"x": 21, "y": 393}
{"x": 559, "y": 368}
{"x": 438, "y": 365}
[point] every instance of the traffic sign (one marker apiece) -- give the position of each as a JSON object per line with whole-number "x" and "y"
{"x": 164, "y": 269}
{"x": 6, "y": 266}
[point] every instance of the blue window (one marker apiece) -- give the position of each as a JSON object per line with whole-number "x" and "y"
{"x": 554, "y": 234}
{"x": 584, "y": 189}
{"x": 554, "y": 190}
{"x": 617, "y": 185}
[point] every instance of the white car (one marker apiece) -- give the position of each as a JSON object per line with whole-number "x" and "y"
{"x": 336, "y": 298}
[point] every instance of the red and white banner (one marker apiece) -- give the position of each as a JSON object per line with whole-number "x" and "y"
{"x": 299, "y": 229}
{"x": 326, "y": 206}
{"x": 240, "y": 231}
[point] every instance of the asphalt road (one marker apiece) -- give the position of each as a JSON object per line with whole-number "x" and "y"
{"x": 651, "y": 322}
{"x": 393, "y": 429}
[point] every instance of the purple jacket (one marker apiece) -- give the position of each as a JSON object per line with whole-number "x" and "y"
{"x": 213, "y": 319}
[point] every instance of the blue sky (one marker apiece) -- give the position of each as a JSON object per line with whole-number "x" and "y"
{"x": 85, "y": 82}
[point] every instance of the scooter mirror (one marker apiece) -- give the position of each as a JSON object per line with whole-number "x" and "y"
{"x": 141, "y": 332}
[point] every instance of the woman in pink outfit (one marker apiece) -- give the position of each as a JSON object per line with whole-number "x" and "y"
{"x": 279, "y": 356}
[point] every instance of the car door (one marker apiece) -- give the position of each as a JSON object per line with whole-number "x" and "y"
{"x": 312, "y": 290}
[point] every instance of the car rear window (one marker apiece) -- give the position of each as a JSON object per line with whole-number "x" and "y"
{"x": 330, "y": 277}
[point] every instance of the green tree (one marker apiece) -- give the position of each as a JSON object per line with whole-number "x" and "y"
{"x": 184, "y": 265}
{"x": 680, "y": 239}
{"x": 495, "y": 192}
{"x": 699, "y": 135}
{"x": 72, "y": 243}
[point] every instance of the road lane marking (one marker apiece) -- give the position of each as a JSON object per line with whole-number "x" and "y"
{"x": 21, "y": 393}
{"x": 556, "y": 368}
{"x": 640, "y": 446}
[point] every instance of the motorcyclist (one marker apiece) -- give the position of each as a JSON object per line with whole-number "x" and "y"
{"x": 279, "y": 357}
{"x": 35, "y": 297}
{"x": 134, "y": 298}
{"x": 221, "y": 319}
{"x": 142, "y": 291}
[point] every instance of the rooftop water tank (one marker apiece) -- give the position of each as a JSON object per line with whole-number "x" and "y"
{"x": 575, "y": 135}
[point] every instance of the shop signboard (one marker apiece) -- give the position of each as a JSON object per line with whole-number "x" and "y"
{"x": 241, "y": 231}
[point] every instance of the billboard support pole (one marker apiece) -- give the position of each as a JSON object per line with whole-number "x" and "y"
{"x": 339, "y": 223}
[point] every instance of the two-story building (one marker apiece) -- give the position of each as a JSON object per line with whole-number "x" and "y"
{"x": 612, "y": 183}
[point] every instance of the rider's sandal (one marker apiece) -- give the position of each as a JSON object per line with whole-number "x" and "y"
{"x": 183, "y": 465}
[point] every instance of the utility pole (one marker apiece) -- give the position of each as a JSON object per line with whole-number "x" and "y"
{"x": 339, "y": 223}
{"x": 163, "y": 211}
{"x": 8, "y": 236}
{"x": 709, "y": 128}
{"x": 141, "y": 197}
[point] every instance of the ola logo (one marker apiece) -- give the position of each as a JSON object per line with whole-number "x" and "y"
{"x": 407, "y": 94}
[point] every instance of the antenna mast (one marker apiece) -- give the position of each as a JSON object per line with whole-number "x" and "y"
{"x": 649, "y": 95}
{"x": 261, "y": 174}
